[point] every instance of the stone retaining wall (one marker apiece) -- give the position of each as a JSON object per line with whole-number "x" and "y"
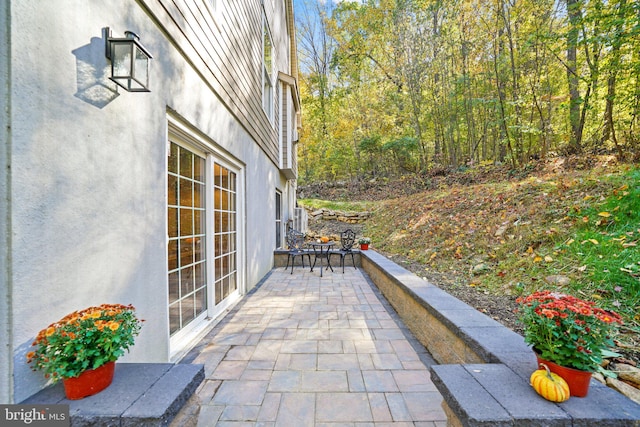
{"x": 424, "y": 322}
{"x": 485, "y": 367}
{"x": 451, "y": 330}
{"x": 348, "y": 217}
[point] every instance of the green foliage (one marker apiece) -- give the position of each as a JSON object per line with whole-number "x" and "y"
{"x": 404, "y": 151}
{"x": 370, "y": 145}
{"x": 444, "y": 84}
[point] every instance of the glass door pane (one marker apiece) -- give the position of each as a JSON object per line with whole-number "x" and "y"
{"x": 186, "y": 232}
{"x": 224, "y": 217}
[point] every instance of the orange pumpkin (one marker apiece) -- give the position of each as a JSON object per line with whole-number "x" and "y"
{"x": 324, "y": 239}
{"x": 549, "y": 385}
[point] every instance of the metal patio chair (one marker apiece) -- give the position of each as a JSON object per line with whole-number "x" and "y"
{"x": 347, "y": 240}
{"x": 296, "y": 246}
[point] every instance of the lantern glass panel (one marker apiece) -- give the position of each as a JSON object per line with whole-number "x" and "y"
{"x": 121, "y": 60}
{"x": 141, "y": 67}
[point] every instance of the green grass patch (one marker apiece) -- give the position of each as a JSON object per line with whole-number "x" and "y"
{"x": 336, "y": 205}
{"x": 606, "y": 244}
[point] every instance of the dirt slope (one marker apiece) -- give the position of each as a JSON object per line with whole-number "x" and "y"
{"x": 485, "y": 234}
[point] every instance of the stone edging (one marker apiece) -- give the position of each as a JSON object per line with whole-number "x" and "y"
{"x": 142, "y": 394}
{"x": 484, "y": 368}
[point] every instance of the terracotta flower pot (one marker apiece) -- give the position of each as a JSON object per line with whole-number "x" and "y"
{"x": 364, "y": 246}
{"x": 577, "y": 380}
{"x": 89, "y": 382}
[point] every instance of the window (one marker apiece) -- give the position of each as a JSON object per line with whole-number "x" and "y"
{"x": 285, "y": 134}
{"x": 267, "y": 70}
{"x": 278, "y": 219}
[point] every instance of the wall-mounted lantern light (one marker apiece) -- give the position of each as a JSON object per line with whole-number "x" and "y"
{"x": 129, "y": 62}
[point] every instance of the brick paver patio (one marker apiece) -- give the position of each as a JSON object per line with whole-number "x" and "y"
{"x": 302, "y": 350}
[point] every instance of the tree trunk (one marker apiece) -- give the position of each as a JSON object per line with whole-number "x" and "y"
{"x": 515, "y": 86}
{"x": 609, "y": 129}
{"x": 575, "y": 141}
{"x": 504, "y": 129}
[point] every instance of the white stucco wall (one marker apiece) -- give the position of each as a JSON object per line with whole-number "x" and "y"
{"x": 88, "y": 174}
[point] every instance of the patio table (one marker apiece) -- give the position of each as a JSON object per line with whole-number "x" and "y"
{"x": 322, "y": 251}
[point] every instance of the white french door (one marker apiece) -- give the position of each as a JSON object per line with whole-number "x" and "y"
{"x": 202, "y": 208}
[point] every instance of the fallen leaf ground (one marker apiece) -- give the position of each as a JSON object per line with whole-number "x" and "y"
{"x": 487, "y": 235}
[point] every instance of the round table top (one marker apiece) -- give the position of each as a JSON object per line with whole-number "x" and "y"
{"x": 330, "y": 243}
